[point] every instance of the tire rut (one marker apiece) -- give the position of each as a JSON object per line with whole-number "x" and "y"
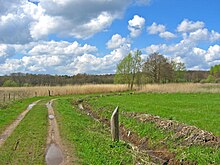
{"x": 8, "y": 131}
{"x": 56, "y": 152}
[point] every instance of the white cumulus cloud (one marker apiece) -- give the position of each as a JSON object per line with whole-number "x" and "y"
{"x": 155, "y": 29}
{"x": 89, "y": 63}
{"x": 167, "y": 35}
{"x": 61, "y": 58}
{"x": 190, "y": 26}
{"x": 136, "y": 25}
{"x": 80, "y": 19}
{"x": 213, "y": 54}
{"x": 161, "y": 30}
{"x": 116, "y": 41}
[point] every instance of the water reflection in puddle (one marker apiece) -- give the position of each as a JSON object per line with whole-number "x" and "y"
{"x": 54, "y": 155}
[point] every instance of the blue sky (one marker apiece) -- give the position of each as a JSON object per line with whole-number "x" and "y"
{"x": 92, "y": 36}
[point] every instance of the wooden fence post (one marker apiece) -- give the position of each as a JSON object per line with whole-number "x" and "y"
{"x": 9, "y": 96}
{"x": 4, "y": 98}
{"x": 115, "y": 125}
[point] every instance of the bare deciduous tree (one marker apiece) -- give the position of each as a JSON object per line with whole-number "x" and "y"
{"x": 158, "y": 68}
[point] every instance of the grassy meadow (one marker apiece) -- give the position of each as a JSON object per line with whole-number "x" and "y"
{"x": 196, "y": 109}
{"x": 89, "y": 140}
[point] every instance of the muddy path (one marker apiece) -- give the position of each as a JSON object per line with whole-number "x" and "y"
{"x": 56, "y": 152}
{"x": 8, "y": 131}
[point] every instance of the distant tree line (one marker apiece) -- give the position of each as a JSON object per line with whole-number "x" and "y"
{"x": 155, "y": 69}
{"x": 24, "y": 79}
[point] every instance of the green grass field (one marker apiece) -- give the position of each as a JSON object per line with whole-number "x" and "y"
{"x": 89, "y": 141}
{"x": 200, "y": 110}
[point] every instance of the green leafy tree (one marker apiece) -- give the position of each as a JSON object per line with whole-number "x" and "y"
{"x": 123, "y": 70}
{"x": 128, "y": 69}
{"x": 180, "y": 70}
{"x": 215, "y": 71}
{"x": 136, "y": 68}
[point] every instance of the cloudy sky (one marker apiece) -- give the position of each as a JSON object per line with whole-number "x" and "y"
{"x": 67, "y": 37}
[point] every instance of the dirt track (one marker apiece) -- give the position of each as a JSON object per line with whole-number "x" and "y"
{"x": 56, "y": 152}
{"x": 8, "y": 131}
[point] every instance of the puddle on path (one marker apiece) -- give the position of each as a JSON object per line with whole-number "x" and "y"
{"x": 54, "y": 155}
{"x": 31, "y": 106}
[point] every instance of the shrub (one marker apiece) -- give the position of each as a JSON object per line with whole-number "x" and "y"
{"x": 10, "y": 83}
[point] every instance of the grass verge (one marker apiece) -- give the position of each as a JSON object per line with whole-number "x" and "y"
{"x": 27, "y": 143}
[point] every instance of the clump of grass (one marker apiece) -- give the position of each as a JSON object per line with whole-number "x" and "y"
{"x": 27, "y": 143}
{"x": 202, "y": 154}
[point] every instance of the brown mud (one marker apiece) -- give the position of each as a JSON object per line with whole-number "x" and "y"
{"x": 56, "y": 152}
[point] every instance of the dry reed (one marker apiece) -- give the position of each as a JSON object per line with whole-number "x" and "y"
{"x": 181, "y": 88}
{"x": 24, "y": 92}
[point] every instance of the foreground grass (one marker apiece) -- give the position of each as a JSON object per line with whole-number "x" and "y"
{"x": 27, "y": 143}
{"x": 201, "y": 110}
{"x": 10, "y": 112}
{"x": 91, "y": 140}
{"x": 200, "y": 154}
